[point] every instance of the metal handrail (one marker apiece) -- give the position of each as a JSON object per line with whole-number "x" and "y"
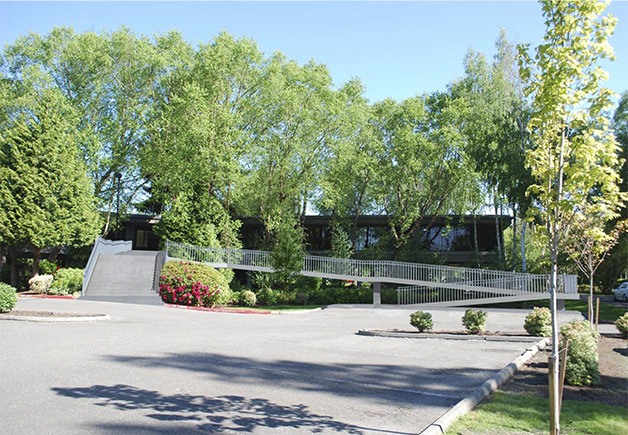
{"x": 380, "y": 270}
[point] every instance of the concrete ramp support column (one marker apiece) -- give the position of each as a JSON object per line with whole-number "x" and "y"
{"x": 377, "y": 294}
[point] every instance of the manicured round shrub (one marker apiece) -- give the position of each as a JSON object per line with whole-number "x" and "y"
{"x": 582, "y": 358}
{"x": 40, "y": 283}
{"x": 539, "y": 322}
{"x": 187, "y": 283}
{"x": 8, "y": 297}
{"x": 248, "y": 298}
{"x": 474, "y": 321}
{"x": 421, "y": 320}
{"x": 67, "y": 281}
{"x": 622, "y": 325}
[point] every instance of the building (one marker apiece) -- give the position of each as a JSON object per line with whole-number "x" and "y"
{"x": 441, "y": 239}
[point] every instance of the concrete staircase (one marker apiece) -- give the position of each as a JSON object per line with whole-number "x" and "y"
{"x": 125, "y": 277}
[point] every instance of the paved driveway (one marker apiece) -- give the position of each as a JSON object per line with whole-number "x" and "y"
{"x": 166, "y": 370}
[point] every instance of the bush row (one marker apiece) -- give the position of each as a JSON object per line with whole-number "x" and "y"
{"x": 474, "y": 321}
{"x": 581, "y": 338}
{"x": 64, "y": 281}
{"x": 267, "y": 296}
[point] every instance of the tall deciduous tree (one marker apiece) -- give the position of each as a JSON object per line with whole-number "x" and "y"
{"x": 350, "y": 179}
{"x": 196, "y": 144}
{"x": 495, "y": 116}
{"x": 588, "y": 245}
{"x": 574, "y": 160}
{"x": 615, "y": 266}
{"x": 295, "y": 111}
{"x": 109, "y": 79}
{"x": 424, "y": 169}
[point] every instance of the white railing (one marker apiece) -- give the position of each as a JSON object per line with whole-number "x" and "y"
{"x": 435, "y": 276}
{"x": 102, "y": 246}
{"x": 258, "y": 260}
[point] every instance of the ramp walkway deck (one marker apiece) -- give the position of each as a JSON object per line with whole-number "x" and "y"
{"x": 453, "y": 285}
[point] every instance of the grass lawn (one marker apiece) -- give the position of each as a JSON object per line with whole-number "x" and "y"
{"x": 608, "y": 312}
{"x": 508, "y": 413}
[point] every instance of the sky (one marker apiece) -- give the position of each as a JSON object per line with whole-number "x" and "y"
{"x": 397, "y": 49}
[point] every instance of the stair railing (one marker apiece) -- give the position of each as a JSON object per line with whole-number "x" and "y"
{"x": 102, "y": 246}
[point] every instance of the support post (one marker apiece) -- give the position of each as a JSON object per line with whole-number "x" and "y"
{"x": 377, "y": 294}
{"x": 560, "y": 304}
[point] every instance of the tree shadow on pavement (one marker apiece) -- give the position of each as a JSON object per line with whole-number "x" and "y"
{"x": 208, "y": 414}
{"x": 397, "y": 384}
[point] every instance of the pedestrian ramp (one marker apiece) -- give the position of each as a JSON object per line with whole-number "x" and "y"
{"x": 421, "y": 284}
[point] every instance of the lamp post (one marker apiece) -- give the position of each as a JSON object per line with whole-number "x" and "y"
{"x": 118, "y": 177}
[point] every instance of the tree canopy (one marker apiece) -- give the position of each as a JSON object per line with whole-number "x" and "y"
{"x": 206, "y": 135}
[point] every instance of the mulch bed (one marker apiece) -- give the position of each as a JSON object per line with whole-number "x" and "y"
{"x": 613, "y": 386}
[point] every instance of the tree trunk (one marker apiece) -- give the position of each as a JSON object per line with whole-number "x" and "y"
{"x": 590, "y": 307}
{"x": 524, "y": 264}
{"x": 475, "y": 239}
{"x": 13, "y": 266}
{"x": 497, "y": 235}
{"x": 54, "y": 253}
{"x": 553, "y": 376}
{"x": 36, "y": 257}
{"x": 513, "y": 262}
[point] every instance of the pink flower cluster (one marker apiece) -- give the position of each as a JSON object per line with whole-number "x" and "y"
{"x": 186, "y": 290}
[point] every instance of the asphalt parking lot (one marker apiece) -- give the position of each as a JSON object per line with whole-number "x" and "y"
{"x": 152, "y": 369}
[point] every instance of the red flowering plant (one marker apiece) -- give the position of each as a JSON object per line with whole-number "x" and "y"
{"x": 187, "y": 283}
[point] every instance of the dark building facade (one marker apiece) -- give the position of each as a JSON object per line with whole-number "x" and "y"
{"x": 441, "y": 239}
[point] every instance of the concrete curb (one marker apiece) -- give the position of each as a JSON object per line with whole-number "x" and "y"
{"x": 428, "y": 336}
{"x": 441, "y": 424}
{"x": 44, "y": 296}
{"x": 219, "y": 309}
{"x": 85, "y": 318}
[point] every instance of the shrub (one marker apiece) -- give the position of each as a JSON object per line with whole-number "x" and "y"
{"x": 622, "y": 325}
{"x": 421, "y": 320}
{"x": 582, "y": 358}
{"x": 267, "y": 296}
{"x": 474, "y": 321}
{"x": 248, "y": 298}
{"x": 67, "y": 281}
{"x": 539, "y": 322}
{"x": 8, "y": 297}
{"x": 40, "y": 283}
{"x": 187, "y": 283}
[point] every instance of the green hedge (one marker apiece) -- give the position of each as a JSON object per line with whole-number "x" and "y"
{"x": 67, "y": 281}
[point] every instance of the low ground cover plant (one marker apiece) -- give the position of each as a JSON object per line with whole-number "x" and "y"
{"x": 582, "y": 357}
{"x": 421, "y": 320}
{"x": 539, "y": 322}
{"x": 8, "y": 297}
{"x": 195, "y": 284}
{"x": 622, "y": 325}
{"x": 474, "y": 321}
